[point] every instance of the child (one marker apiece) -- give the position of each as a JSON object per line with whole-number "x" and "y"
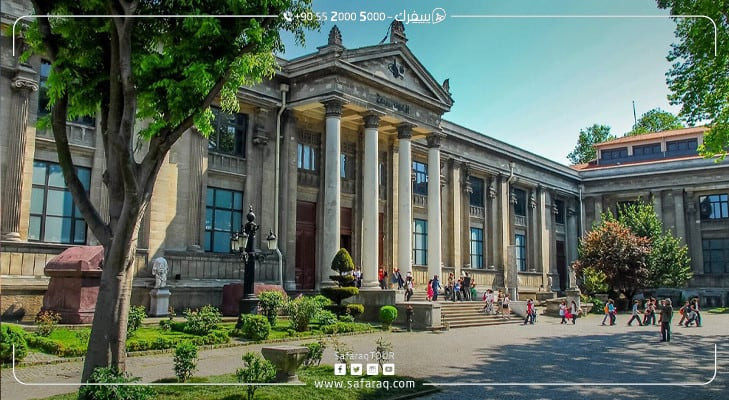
{"x": 430, "y": 290}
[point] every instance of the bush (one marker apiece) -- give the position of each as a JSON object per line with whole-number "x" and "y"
{"x": 326, "y": 317}
{"x": 137, "y": 314}
{"x": 593, "y": 281}
{"x": 271, "y": 303}
{"x": 52, "y": 347}
{"x": 10, "y": 335}
{"x": 185, "y": 360}
{"x": 301, "y": 311}
{"x": 355, "y": 309}
{"x": 339, "y": 327}
{"x": 123, "y": 392}
{"x": 255, "y": 370}
{"x": 387, "y": 315}
{"x": 256, "y": 327}
{"x": 46, "y": 322}
{"x": 337, "y": 294}
{"x": 202, "y": 321}
{"x": 322, "y": 301}
{"x": 346, "y": 318}
{"x": 315, "y": 353}
{"x": 597, "y": 304}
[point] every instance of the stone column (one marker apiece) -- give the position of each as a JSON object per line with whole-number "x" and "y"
{"x": 458, "y": 227}
{"x": 405, "y": 199}
{"x": 658, "y": 204}
{"x": 693, "y": 231}
{"x": 533, "y": 235}
{"x": 680, "y": 215}
{"x": 493, "y": 227}
{"x": 370, "y": 200}
{"x": 571, "y": 234}
{"x": 544, "y": 237}
{"x": 598, "y": 208}
{"x": 434, "y": 223}
{"x": 506, "y": 216}
{"x": 195, "y": 202}
{"x": 24, "y": 84}
{"x": 332, "y": 187}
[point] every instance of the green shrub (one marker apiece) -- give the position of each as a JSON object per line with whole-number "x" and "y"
{"x": 387, "y": 315}
{"x": 10, "y": 335}
{"x": 315, "y": 353}
{"x": 83, "y": 335}
{"x": 255, "y": 370}
{"x": 339, "y": 327}
{"x": 185, "y": 360}
{"x": 202, "y": 321}
{"x": 256, "y": 327}
{"x": 123, "y": 392}
{"x": 326, "y": 317}
{"x": 337, "y": 294}
{"x": 593, "y": 281}
{"x": 271, "y": 303}
{"x": 137, "y": 314}
{"x": 301, "y": 311}
{"x": 46, "y": 322}
{"x": 355, "y": 309}
{"x": 49, "y": 346}
{"x": 322, "y": 301}
{"x": 241, "y": 320}
{"x": 346, "y": 318}
{"x": 597, "y": 304}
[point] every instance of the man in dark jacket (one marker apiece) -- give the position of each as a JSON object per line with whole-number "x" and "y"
{"x": 666, "y": 315}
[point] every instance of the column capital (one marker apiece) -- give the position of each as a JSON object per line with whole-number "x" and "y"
{"x": 333, "y": 106}
{"x": 24, "y": 78}
{"x": 372, "y": 118}
{"x": 434, "y": 139}
{"x": 405, "y": 130}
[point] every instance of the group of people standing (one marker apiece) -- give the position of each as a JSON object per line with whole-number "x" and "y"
{"x": 571, "y": 311}
{"x": 502, "y": 301}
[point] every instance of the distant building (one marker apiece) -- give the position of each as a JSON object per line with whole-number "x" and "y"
{"x": 368, "y": 164}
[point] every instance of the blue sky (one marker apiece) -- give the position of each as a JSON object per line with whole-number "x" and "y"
{"x": 533, "y": 83}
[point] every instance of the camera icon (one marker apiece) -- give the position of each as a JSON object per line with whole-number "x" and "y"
{"x": 388, "y": 369}
{"x": 340, "y": 369}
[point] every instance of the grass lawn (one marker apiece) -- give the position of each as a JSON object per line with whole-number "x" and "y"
{"x": 352, "y": 388}
{"x": 719, "y": 310}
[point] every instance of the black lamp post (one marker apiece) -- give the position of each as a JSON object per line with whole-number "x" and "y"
{"x": 241, "y": 243}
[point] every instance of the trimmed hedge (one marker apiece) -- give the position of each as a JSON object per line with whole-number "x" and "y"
{"x": 387, "y": 315}
{"x": 340, "y": 327}
{"x": 10, "y": 335}
{"x": 217, "y": 336}
{"x": 52, "y": 347}
{"x": 256, "y": 327}
{"x": 355, "y": 309}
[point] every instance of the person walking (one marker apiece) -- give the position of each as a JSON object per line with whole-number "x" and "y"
{"x": 466, "y": 287}
{"x": 529, "y": 311}
{"x": 606, "y": 310}
{"x": 665, "y": 321}
{"x": 683, "y": 311}
{"x": 436, "y": 287}
{"x": 506, "y": 307}
{"x": 488, "y": 298}
{"x": 612, "y": 311}
{"x": 635, "y": 315}
{"x": 563, "y": 312}
{"x": 575, "y": 311}
{"x": 449, "y": 293}
{"x": 408, "y": 288}
{"x": 381, "y": 276}
{"x": 429, "y": 290}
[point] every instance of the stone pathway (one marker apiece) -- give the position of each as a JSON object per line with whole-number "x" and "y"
{"x": 546, "y": 352}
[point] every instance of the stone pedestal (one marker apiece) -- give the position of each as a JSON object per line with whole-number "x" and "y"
{"x": 74, "y": 285}
{"x": 286, "y": 359}
{"x": 573, "y": 294}
{"x": 159, "y": 302}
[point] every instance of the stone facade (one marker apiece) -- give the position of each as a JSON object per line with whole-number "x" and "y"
{"x": 346, "y": 130}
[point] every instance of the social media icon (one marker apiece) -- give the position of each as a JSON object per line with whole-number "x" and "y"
{"x": 340, "y": 369}
{"x": 355, "y": 369}
{"x": 373, "y": 369}
{"x": 388, "y": 369}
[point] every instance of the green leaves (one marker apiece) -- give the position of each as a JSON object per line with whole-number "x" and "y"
{"x": 584, "y": 150}
{"x": 655, "y": 120}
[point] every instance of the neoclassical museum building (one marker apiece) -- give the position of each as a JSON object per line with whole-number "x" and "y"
{"x": 347, "y": 148}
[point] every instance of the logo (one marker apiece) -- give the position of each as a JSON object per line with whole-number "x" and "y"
{"x": 388, "y": 369}
{"x": 373, "y": 369}
{"x": 340, "y": 369}
{"x": 355, "y": 369}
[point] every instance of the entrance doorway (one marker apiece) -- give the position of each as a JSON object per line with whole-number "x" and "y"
{"x": 561, "y": 265}
{"x": 305, "y": 245}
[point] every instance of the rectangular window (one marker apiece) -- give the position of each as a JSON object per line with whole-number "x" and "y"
{"x": 381, "y": 174}
{"x": 714, "y": 206}
{"x": 648, "y": 151}
{"x": 614, "y": 155}
{"x": 559, "y": 216}
{"x": 54, "y": 217}
{"x": 306, "y": 157}
{"x": 520, "y": 243}
{"x": 687, "y": 147}
{"x": 520, "y": 205}
{"x": 346, "y": 166}
{"x": 229, "y": 133}
{"x": 420, "y": 186}
{"x": 716, "y": 256}
{"x": 420, "y": 242}
{"x": 223, "y": 216}
{"x": 476, "y": 191}
{"x": 476, "y": 248}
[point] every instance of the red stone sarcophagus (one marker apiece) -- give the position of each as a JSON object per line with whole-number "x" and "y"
{"x": 75, "y": 279}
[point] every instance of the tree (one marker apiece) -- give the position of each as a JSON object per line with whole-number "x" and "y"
{"x": 584, "y": 150}
{"x": 614, "y": 250}
{"x": 341, "y": 263}
{"x": 668, "y": 263}
{"x": 163, "y": 71}
{"x": 655, "y": 120}
{"x": 698, "y": 78}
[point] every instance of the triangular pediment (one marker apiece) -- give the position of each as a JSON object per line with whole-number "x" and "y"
{"x": 398, "y": 66}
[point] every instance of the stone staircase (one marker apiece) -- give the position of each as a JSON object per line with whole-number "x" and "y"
{"x": 461, "y": 314}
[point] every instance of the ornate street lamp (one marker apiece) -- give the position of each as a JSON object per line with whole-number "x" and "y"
{"x": 241, "y": 243}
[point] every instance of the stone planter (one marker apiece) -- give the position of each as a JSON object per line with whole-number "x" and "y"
{"x": 286, "y": 359}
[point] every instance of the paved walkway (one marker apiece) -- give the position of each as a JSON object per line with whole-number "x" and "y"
{"x": 587, "y": 352}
